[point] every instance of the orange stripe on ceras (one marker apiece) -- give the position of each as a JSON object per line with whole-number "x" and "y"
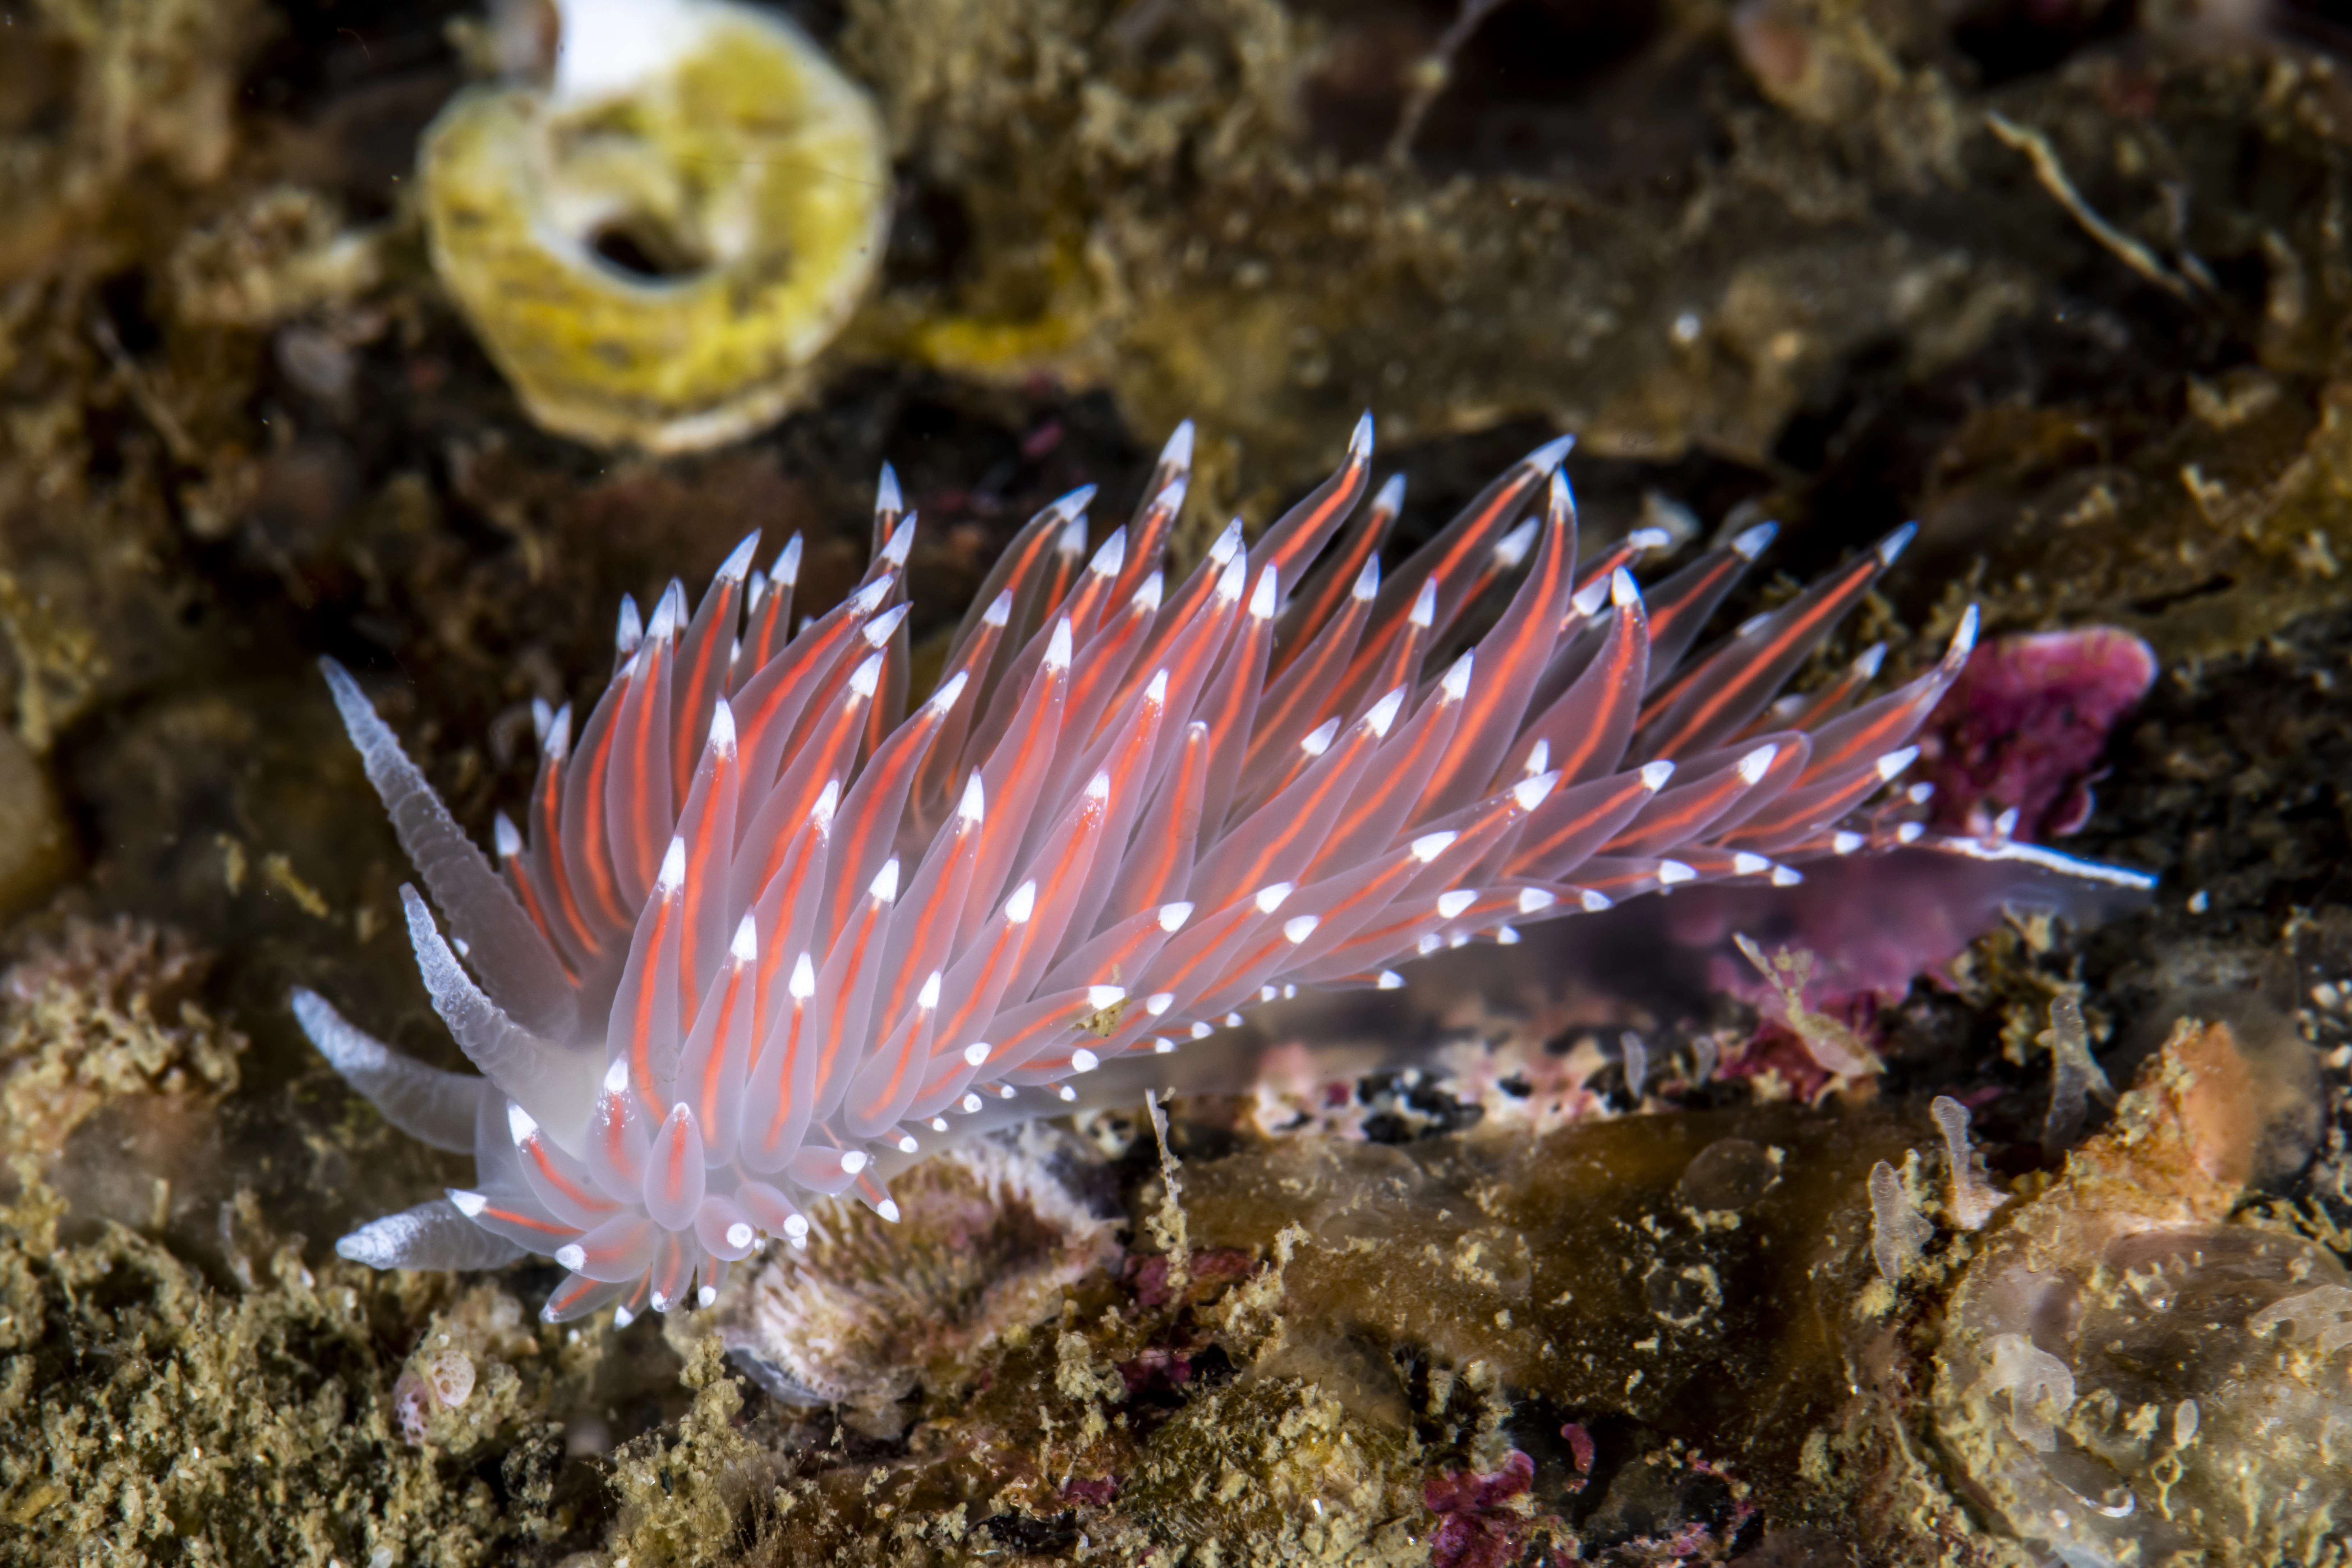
{"x": 900, "y": 753}
{"x": 1329, "y": 598}
{"x": 1313, "y": 684}
{"x": 546, "y": 825}
{"x": 772, "y": 955}
{"x": 531, "y": 1222}
{"x": 1490, "y": 676}
{"x": 572, "y": 1190}
{"x": 1831, "y": 606}
{"x": 641, "y": 1023}
{"x": 673, "y": 1171}
{"x": 1521, "y": 480}
{"x": 1527, "y": 855}
{"x": 696, "y": 683}
{"x": 595, "y": 843}
{"x": 927, "y": 920}
{"x": 1304, "y": 814}
{"x": 952, "y": 1026}
{"x": 702, "y": 839}
{"x": 529, "y": 894}
{"x": 714, "y": 1066}
{"x": 641, "y": 753}
{"x": 859, "y": 944}
{"x": 1689, "y": 813}
{"x": 1049, "y": 886}
{"x": 1629, "y": 637}
{"x": 787, "y": 1074}
{"x": 1050, "y": 1023}
{"x": 1345, "y": 488}
{"x": 897, "y": 1071}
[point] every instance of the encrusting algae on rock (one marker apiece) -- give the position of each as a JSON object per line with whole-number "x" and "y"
{"x": 654, "y": 245}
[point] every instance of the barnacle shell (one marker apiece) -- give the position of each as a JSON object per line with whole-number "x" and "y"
{"x": 2128, "y": 1374}
{"x": 988, "y": 1235}
{"x": 719, "y": 145}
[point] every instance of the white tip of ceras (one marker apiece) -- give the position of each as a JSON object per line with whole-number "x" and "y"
{"x": 556, "y": 742}
{"x": 1756, "y": 764}
{"x": 1892, "y": 764}
{"x": 1529, "y": 793}
{"x": 929, "y": 997}
{"x": 975, "y": 804}
{"x": 1073, "y": 542}
{"x": 1533, "y": 901}
{"x": 976, "y": 1055}
{"x": 1389, "y": 980}
{"x": 737, "y": 565}
{"x": 1158, "y": 1004}
{"x": 1262, "y": 598}
{"x": 1455, "y": 685}
{"x": 1424, "y": 606}
{"x": 541, "y": 716}
{"x": 1000, "y": 610}
{"x": 1319, "y": 739}
{"x": 1655, "y": 775}
{"x": 1359, "y": 444}
{"x": 745, "y": 948}
{"x": 1173, "y": 916}
{"x": 1648, "y": 539}
{"x": 1147, "y": 599}
{"x": 616, "y": 1076}
{"x": 1845, "y": 842}
{"x": 1101, "y": 996}
{"x": 866, "y": 678}
{"x": 1585, "y": 602}
{"x": 945, "y": 697}
{"x": 1674, "y": 873}
{"x": 1384, "y": 713}
{"x": 673, "y": 867}
{"x": 506, "y": 835}
{"x": 1367, "y": 583}
{"x": 1177, "y": 455}
{"x": 1111, "y": 556}
{"x": 669, "y": 613}
{"x": 1022, "y": 904}
{"x": 828, "y": 801}
{"x": 1512, "y": 548}
{"x": 630, "y": 631}
{"x": 1059, "y": 646}
{"x": 889, "y": 502}
{"x": 1964, "y": 639}
{"x": 1450, "y": 905}
{"x": 1270, "y": 896}
{"x": 1748, "y": 544}
{"x": 468, "y": 1204}
{"x": 1430, "y": 846}
{"x": 575, "y": 1257}
{"x": 1910, "y": 832}
{"x": 1624, "y": 592}
{"x": 1156, "y": 694}
{"x": 786, "y": 572}
{"x": 802, "y": 985}
{"x": 884, "y": 627}
{"x": 1539, "y": 759}
{"x": 1547, "y": 456}
{"x": 723, "y": 727}
{"x": 1073, "y": 504}
{"x": 1559, "y": 502}
{"x": 1893, "y": 545}
{"x": 1098, "y": 787}
{"x": 885, "y": 887}
{"x": 519, "y": 1126}
{"x": 1299, "y": 928}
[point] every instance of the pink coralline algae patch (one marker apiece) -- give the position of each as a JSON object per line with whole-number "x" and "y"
{"x": 2024, "y": 728}
{"x": 1481, "y": 1523}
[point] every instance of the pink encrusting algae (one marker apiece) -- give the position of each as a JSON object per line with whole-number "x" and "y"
{"x": 765, "y": 936}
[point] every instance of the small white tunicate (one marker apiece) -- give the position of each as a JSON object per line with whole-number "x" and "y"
{"x": 2184, "y": 1423}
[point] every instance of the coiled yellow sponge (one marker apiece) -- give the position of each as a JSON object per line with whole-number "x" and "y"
{"x": 654, "y": 245}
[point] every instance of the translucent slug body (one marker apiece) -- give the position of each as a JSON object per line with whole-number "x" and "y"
{"x": 766, "y": 936}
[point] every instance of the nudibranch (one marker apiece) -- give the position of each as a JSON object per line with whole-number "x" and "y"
{"x": 656, "y": 244}
{"x": 765, "y": 936}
